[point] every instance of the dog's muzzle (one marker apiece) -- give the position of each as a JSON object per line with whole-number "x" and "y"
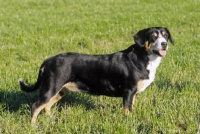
{"x": 160, "y": 53}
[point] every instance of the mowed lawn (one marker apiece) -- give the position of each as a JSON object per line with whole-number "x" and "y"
{"x": 33, "y": 30}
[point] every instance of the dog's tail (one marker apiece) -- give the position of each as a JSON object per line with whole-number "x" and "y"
{"x": 31, "y": 88}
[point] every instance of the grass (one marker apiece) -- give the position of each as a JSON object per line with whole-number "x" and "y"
{"x": 31, "y": 31}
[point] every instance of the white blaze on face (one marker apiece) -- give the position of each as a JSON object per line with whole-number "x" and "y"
{"x": 158, "y": 45}
{"x": 160, "y": 40}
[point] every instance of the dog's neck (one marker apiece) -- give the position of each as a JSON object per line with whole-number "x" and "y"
{"x": 154, "y": 62}
{"x": 153, "y": 59}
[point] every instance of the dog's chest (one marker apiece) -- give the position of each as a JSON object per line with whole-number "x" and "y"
{"x": 152, "y": 66}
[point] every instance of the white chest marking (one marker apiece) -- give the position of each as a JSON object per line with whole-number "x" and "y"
{"x": 154, "y": 62}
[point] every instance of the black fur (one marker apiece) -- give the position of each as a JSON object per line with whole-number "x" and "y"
{"x": 114, "y": 75}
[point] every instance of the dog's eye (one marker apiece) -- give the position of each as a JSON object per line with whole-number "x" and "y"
{"x": 153, "y": 37}
{"x": 166, "y": 36}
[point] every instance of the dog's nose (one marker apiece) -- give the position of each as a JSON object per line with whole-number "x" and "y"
{"x": 164, "y": 45}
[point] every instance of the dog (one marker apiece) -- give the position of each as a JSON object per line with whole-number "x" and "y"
{"x": 121, "y": 74}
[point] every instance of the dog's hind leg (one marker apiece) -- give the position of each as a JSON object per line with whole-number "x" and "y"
{"x": 48, "y": 96}
{"x": 36, "y": 108}
{"x": 47, "y": 99}
{"x": 61, "y": 93}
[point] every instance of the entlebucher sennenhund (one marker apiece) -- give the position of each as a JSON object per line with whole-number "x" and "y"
{"x": 120, "y": 74}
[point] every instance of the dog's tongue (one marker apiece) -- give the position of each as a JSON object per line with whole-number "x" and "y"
{"x": 162, "y": 52}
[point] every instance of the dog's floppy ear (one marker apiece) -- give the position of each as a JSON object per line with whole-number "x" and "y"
{"x": 169, "y": 36}
{"x": 139, "y": 38}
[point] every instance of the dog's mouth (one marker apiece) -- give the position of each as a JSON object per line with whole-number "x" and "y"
{"x": 161, "y": 53}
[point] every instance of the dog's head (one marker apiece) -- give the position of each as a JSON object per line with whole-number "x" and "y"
{"x": 154, "y": 40}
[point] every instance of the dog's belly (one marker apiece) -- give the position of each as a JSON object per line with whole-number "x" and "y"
{"x": 106, "y": 90}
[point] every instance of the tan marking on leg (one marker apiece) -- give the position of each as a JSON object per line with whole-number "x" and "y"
{"x": 72, "y": 87}
{"x": 35, "y": 114}
{"x": 139, "y": 85}
{"x": 52, "y": 101}
{"x": 134, "y": 97}
{"x": 133, "y": 102}
{"x": 61, "y": 93}
{"x": 126, "y": 111}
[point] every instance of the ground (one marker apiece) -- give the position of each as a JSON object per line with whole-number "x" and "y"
{"x": 31, "y": 31}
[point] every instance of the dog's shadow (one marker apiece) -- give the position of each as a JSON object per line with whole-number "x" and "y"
{"x": 13, "y": 100}
{"x": 179, "y": 85}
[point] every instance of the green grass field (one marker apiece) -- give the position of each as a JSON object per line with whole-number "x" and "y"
{"x": 32, "y": 30}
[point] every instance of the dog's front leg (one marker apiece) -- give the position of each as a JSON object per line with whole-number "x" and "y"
{"x": 128, "y": 98}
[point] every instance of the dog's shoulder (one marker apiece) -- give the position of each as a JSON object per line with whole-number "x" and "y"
{"x": 136, "y": 54}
